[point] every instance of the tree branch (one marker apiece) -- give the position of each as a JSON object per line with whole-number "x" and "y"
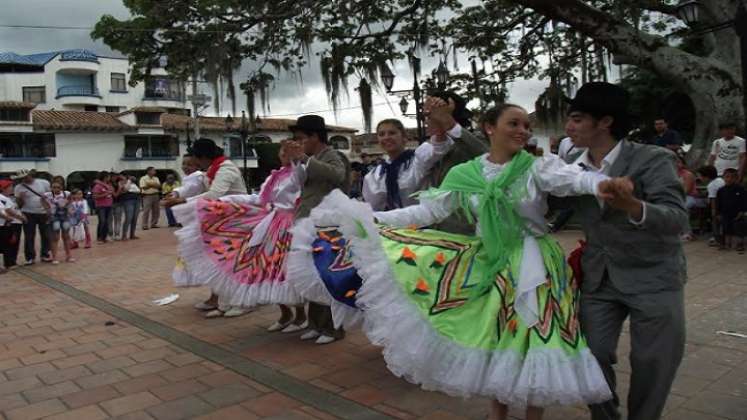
{"x": 658, "y": 6}
{"x": 389, "y": 30}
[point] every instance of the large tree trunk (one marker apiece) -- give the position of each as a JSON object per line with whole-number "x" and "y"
{"x": 712, "y": 82}
{"x": 713, "y": 91}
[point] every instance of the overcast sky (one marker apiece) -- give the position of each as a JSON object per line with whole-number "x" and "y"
{"x": 289, "y": 98}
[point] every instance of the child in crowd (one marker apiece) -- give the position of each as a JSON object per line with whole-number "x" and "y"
{"x": 709, "y": 176}
{"x": 11, "y": 220}
{"x": 61, "y": 206}
{"x": 731, "y": 205}
{"x": 79, "y": 220}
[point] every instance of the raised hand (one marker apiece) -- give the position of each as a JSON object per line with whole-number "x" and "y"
{"x": 439, "y": 117}
{"x": 293, "y": 149}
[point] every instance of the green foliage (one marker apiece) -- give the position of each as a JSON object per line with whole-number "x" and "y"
{"x": 654, "y": 97}
{"x": 505, "y": 39}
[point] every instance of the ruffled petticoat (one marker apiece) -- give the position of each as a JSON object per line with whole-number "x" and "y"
{"x": 221, "y": 246}
{"x": 416, "y": 304}
{"x": 321, "y": 269}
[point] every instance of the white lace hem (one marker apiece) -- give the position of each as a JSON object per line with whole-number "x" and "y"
{"x": 189, "y": 234}
{"x": 202, "y": 271}
{"x": 305, "y": 278}
{"x": 415, "y": 351}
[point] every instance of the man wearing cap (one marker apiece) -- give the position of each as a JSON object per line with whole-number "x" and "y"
{"x": 321, "y": 169}
{"x": 30, "y": 196}
{"x": 633, "y": 264}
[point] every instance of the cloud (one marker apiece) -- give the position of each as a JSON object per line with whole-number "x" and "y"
{"x": 289, "y": 98}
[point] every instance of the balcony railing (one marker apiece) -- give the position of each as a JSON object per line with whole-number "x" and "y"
{"x": 78, "y": 91}
{"x": 157, "y": 95}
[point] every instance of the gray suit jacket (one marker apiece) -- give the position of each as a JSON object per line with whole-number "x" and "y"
{"x": 325, "y": 171}
{"x": 638, "y": 259}
{"x": 466, "y": 148}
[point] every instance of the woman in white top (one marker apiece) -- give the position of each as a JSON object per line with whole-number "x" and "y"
{"x": 11, "y": 222}
{"x": 222, "y": 177}
{"x": 391, "y": 184}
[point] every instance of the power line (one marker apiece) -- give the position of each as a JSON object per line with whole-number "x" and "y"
{"x": 323, "y": 110}
{"x": 89, "y": 28}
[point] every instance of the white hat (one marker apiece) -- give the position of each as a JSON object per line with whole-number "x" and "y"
{"x": 23, "y": 173}
{"x": 532, "y": 141}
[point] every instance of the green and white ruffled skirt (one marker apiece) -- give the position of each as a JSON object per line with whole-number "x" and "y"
{"x": 415, "y": 302}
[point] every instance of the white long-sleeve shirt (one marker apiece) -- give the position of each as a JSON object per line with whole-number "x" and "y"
{"x": 548, "y": 175}
{"x": 410, "y": 178}
{"x": 283, "y": 196}
{"x": 192, "y": 185}
{"x": 228, "y": 181}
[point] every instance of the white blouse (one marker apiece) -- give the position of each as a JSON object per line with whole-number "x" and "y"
{"x": 410, "y": 179}
{"x": 228, "y": 180}
{"x": 548, "y": 175}
{"x": 284, "y": 196}
{"x": 192, "y": 185}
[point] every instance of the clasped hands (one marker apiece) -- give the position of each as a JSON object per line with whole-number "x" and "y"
{"x": 293, "y": 150}
{"x": 618, "y": 194}
{"x": 439, "y": 117}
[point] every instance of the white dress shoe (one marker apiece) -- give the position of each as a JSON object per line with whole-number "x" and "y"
{"x": 295, "y": 328}
{"x": 215, "y": 313}
{"x": 325, "y": 339}
{"x": 310, "y": 335}
{"x": 278, "y": 326}
{"x": 236, "y": 311}
{"x": 202, "y": 306}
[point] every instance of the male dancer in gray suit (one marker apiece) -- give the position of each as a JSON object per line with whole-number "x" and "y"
{"x": 633, "y": 264}
{"x": 321, "y": 169}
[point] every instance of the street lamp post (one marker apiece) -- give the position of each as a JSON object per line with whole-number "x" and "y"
{"x": 387, "y": 78}
{"x": 188, "y": 128}
{"x": 689, "y": 12}
{"x": 243, "y": 132}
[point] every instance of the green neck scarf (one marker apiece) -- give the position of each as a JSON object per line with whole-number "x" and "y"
{"x": 502, "y": 229}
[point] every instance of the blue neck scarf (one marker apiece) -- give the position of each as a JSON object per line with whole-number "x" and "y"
{"x": 391, "y": 172}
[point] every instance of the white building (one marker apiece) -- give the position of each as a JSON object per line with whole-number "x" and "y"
{"x": 73, "y": 113}
{"x": 79, "y": 80}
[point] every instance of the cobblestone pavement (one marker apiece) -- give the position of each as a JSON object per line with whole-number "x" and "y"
{"x": 83, "y": 341}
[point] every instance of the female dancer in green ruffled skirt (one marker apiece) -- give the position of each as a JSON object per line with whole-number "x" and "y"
{"x": 493, "y": 315}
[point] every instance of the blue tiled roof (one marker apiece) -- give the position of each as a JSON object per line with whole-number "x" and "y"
{"x": 43, "y": 58}
{"x": 79, "y": 55}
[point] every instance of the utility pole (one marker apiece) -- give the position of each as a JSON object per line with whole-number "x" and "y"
{"x": 195, "y": 107}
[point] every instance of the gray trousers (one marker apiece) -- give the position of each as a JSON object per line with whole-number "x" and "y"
{"x": 151, "y": 203}
{"x": 657, "y": 338}
{"x": 320, "y": 320}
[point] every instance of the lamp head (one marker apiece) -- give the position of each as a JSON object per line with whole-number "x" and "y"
{"x": 387, "y": 77}
{"x": 689, "y": 12}
{"x": 403, "y": 104}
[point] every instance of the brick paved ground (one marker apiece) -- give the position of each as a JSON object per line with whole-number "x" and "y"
{"x": 71, "y": 355}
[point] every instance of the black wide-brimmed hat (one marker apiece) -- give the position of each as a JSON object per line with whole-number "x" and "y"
{"x": 601, "y": 99}
{"x": 310, "y": 123}
{"x": 204, "y": 147}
